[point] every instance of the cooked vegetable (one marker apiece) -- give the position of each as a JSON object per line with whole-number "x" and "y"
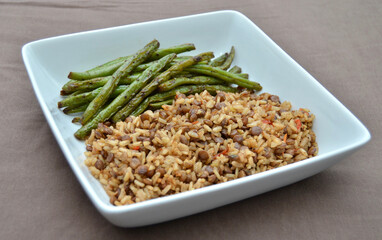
{"x": 157, "y": 105}
{"x": 224, "y": 75}
{"x": 243, "y": 75}
{"x": 90, "y": 84}
{"x": 76, "y": 120}
{"x": 219, "y": 60}
{"x": 124, "y": 97}
{"x": 126, "y": 68}
{"x": 229, "y": 59}
{"x": 75, "y": 109}
{"x": 175, "y": 82}
{"x": 87, "y": 97}
{"x": 235, "y": 69}
{"x": 175, "y": 49}
{"x": 298, "y": 124}
{"x": 110, "y": 67}
{"x": 143, "y": 66}
{"x": 141, "y": 108}
{"x": 99, "y": 71}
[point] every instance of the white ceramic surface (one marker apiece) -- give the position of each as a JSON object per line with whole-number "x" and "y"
{"x": 48, "y": 61}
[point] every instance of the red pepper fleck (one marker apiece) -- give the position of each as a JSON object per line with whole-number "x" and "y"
{"x": 136, "y": 148}
{"x": 196, "y": 122}
{"x": 225, "y": 151}
{"x": 222, "y": 153}
{"x": 298, "y": 124}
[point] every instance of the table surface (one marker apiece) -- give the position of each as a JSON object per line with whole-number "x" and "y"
{"x": 338, "y": 42}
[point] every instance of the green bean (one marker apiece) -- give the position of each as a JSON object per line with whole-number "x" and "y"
{"x": 219, "y": 60}
{"x": 184, "y": 74}
{"x": 70, "y": 110}
{"x": 103, "y": 70}
{"x": 87, "y": 97}
{"x": 76, "y": 120}
{"x": 191, "y": 89}
{"x": 141, "y": 108}
{"x": 235, "y": 69}
{"x": 124, "y": 97}
{"x": 143, "y": 66}
{"x": 90, "y": 84}
{"x": 127, "y": 67}
{"x": 224, "y": 75}
{"x": 75, "y": 109}
{"x": 175, "y": 82}
{"x": 164, "y": 76}
{"x": 157, "y": 105}
{"x": 86, "y": 85}
{"x": 228, "y": 61}
{"x": 187, "y": 90}
{"x": 77, "y": 92}
{"x": 175, "y": 49}
{"x": 243, "y": 75}
{"x": 101, "y": 109}
{"x": 110, "y": 67}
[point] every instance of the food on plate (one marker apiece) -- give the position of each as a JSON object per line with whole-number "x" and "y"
{"x": 110, "y": 67}
{"x": 129, "y": 85}
{"x": 153, "y": 85}
{"x": 179, "y": 81}
{"x": 197, "y": 141}
{"x": 126, "y": 68}
{"x": 154, "y": 99}
{"x": 156, "y": 123}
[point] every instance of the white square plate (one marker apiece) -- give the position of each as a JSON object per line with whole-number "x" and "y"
{"x": 338, "y": 131}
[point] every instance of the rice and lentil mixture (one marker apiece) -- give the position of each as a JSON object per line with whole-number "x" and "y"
{"x": 197, "y": 141}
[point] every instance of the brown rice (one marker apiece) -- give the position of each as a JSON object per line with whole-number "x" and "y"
{"x": 197, "y": 141}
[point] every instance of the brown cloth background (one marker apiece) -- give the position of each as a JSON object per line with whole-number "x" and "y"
{"x": 338, "y": 42}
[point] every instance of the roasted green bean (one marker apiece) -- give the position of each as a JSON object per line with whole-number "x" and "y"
{"x": 229, "y": 59}
{"x": 175, "y": 82}
{"x": 91, "y": 84}
{"x": 75, "y": 109}
{"x": 110, "y": 67}
{"x": 87, "y": 97}
{"x": 235, "y": 69}
{"x": 157, "y": 105}
{"x": 219, "y": 60}
{"x": 174, "y": 49}
{"x": 124, "y": 97}
{"x": 224, "y": 75}
{"x": 141, "y": 108}
{"x": 126, "y": 68}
